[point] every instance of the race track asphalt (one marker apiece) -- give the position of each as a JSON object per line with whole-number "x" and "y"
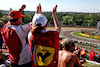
{"x": 67, "y": 33}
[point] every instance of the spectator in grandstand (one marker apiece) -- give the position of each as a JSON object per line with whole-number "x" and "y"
{"x": 14, "y": 36}
{"x": 1, "y": 40}
{"x": 44, "y": 44}
{"x": 96, "y": 56}
{"x": 99, "y": 47}
{"x": 84, "y": 53}
{"x": 3, "y": 60}
{"x": 66, "y": 58}
{"x": 89, "y": 47}
{"x": 2, "y": 57}
{"x": 74, "y": 49}
{"x": 92, "y": 56}
{"x": 72, "y": 45}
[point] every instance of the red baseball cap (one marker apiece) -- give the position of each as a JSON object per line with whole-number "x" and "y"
{"x": 15, "y": 14}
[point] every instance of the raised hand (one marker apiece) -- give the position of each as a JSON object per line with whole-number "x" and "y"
{"x": 22, "y": 7}
{"x": 38, "y": 9}
{"x": 54, "y": 10}
{"x": 56, "y": 21}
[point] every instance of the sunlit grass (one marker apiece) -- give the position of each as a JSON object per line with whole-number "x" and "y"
{"x": 79, "y": 34}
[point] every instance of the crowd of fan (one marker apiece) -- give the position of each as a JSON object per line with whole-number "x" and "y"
{"x": 87, "y": 53}
{"x": 70, "y": 48}
{"x": 14, "y": 35}
{"x": 92, "y": 56}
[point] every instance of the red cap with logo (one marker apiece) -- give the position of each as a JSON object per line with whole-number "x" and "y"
{"x": 15, "y": 14}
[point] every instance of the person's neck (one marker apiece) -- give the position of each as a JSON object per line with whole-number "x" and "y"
{"x": 45, "y": 27}
{"x": 14, "y": 23}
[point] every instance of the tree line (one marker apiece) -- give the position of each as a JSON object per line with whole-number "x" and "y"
{"x": 83, "y": 19}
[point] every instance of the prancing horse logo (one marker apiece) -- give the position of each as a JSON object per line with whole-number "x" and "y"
{"x": 45, "y": 56}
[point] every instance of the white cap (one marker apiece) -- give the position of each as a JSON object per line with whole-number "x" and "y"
{"x": 39, "y": 18}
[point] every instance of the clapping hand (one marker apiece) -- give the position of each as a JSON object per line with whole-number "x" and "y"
{"x": 54, "y": 10}
{"x": 22, "y": 7}
{"x": 38, "y": 9}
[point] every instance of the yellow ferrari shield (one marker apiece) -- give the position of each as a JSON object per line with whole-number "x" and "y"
{"x": 44, "y": 55}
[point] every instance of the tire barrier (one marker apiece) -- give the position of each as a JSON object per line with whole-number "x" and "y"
{"x": 86, "y": 35}
{"x": 90, "y": 33}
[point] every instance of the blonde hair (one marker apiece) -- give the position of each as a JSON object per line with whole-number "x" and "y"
{"x": 67, "y": 43}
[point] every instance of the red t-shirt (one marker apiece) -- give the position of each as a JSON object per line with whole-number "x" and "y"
{"x": 44, "y": 49}
{"x": 92, "y": 56}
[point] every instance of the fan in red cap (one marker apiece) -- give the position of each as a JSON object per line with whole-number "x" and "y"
{"x": 15, "y": 14}
{"x": 14, "y": 36}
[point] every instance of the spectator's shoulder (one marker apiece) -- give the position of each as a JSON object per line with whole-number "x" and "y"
{"x": 54, "y": 32}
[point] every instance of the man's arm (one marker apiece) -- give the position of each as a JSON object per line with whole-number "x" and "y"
{"x": 56, "y": 22}
{"x": 77, "y": 61}
{"x": 74, "y": 62}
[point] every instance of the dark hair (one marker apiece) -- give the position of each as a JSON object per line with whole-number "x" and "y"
{"x": 68, "y": 45}
{"x": 13, "y": 20}
{"x": 60, "y": 48}
{"x": 73, "y": 44}
{"x": 37, "y": 29}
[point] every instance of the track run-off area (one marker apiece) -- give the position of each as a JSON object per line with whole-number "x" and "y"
{"x": 68, "y": 33}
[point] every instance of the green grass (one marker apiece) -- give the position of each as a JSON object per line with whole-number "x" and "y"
{"x": 79, "y": 34}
